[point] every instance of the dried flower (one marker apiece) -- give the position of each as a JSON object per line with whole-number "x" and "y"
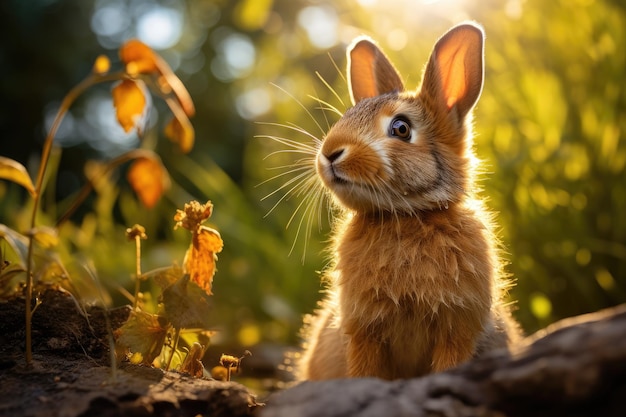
{"x": 206, "y": 242}
{"x": 140, "y": 59}
{"x": 193, "y": 215}
{"x": 136, "y": 231}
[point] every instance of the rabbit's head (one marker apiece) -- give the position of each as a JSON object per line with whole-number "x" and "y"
{"x": 399, "y": 151}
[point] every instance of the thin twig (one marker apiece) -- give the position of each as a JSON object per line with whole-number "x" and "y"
{"x": 174, "y": 346}
{"x": 137, "y": 269}
{"x": 67, "y": 102}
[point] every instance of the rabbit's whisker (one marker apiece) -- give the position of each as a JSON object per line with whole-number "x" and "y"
{"x": 292, "y": 170}
{"x": 299, "y": 180}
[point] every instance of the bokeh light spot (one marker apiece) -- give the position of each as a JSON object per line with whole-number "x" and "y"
{"x": 253, "y": 103}
{"x": 160, "y": 27}
{"x": 320, "y": 24}
{"x": 540, "y": 305}
{"x": 109, "y": 21}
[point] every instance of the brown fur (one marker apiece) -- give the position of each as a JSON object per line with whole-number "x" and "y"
{"x": 415, "y": 285}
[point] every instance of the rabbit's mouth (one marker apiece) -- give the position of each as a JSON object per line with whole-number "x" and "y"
{"x": 336, "y": 178}
{"x": 340, "y": 179}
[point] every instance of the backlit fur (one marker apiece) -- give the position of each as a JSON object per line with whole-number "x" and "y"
{"x": 415, "y": 283}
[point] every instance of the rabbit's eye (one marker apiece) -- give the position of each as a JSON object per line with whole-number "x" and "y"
{"x": 400, "y": 128}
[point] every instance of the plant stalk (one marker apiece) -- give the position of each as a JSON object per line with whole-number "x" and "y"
{"x": 176, "y": 337}
{"x": 68, "y": 100}
{"x": 137, "y": 270}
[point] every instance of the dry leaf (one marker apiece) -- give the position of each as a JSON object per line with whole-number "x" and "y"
{"x": 149, "y": 179}
{"x": 129, "y": 99}
{"x": 165, "y": 276}
{"x": 138, "y": 57}
{"x": 186, "y": 305}
{"x": 17, "y": 242}
{"x": 143, "y": 333}
{"x": 7, "y": 272}
{"x": 181, "y": 132}
{"x": 201, "y": 256}
{"x": 193, "y": 361}
{"x": 14, "y": 171}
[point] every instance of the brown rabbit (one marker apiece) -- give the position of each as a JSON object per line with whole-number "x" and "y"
{"x": 415, "y": 284}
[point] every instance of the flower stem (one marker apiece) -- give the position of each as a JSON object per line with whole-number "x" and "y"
{"x": 137, "y": 269}
{"x": 68, "y": 100}
{"x": 174, "y": 346}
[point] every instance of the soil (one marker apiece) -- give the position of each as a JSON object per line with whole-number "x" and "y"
{"x": 575, "y": 367}
{"x": 71, "y": 373}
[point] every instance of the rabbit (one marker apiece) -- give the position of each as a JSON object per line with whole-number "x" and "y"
{"x": 415, "y": 282}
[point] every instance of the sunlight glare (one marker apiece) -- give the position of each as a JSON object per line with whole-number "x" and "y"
{"x": 397, "y": 39}
{"x": 111, "y": 24}
{"x": 253, "y": 103}
{"x": 422, "y": 11}
{"x": 160, "y": 27}
{"x": 408, "y": 3}
{"x": 321, "y": 25}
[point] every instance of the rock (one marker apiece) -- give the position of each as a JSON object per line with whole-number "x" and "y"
{"x": 576, "y": 367}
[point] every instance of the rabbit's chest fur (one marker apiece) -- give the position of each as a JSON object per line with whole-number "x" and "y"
{"x": 401, "y": 281}
{"x": 436, "y": 259}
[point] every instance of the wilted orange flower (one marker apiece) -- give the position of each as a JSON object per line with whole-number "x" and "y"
{"x": 180, "y": 133}
{"x": 129, "y": 99}
{"x": 193, "y": 215}
{"x": 140, "y": 59}
{"x": 206, "y": 242}
{"x": 143, "y": 333}
{"x": 149, "y": 179}
{"x": 201, "y": 256}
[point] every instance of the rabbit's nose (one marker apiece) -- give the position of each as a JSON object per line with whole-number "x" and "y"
{"x": 334, "y": 155}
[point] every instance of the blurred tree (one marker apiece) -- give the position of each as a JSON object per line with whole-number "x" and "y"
{"x": 549, "y": 127}
{"x": 551, "y": 123}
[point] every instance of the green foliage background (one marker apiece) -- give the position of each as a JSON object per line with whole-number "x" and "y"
{"x": 550, "y": 129}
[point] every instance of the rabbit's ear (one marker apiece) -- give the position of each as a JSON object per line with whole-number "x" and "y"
{"x": 370, "y": 73}
{"x": 454, "y": 74}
